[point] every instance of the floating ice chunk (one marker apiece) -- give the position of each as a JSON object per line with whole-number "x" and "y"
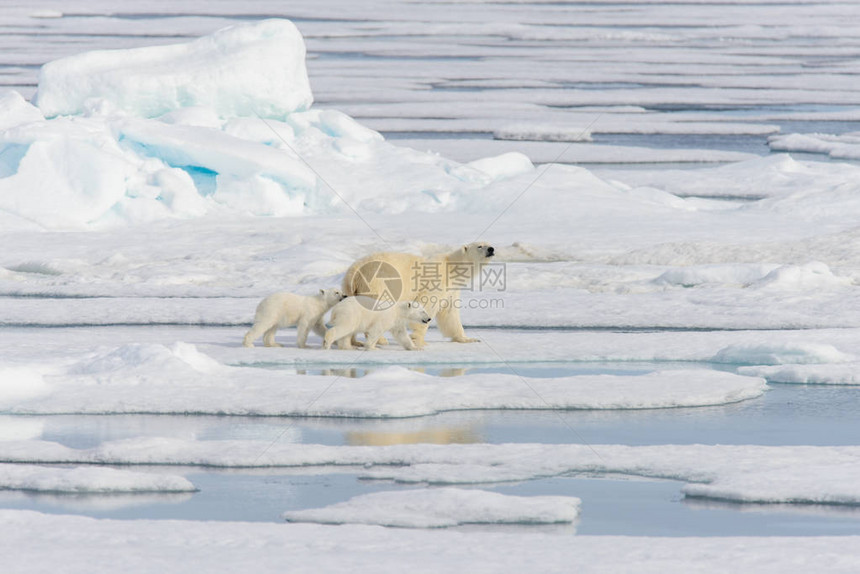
{"x": 543, "y": 132}
{"x": 776, "y": 175}
{"x": 155, "y": 379}
{"x": 442, "y": 507}
{"x": 737, "y": 472}
{"x": 809, "y": 374}
{"x": 779, "y": 353}
{"x": 843, "y": 146}
{"x": 808, "y": 484}
{"x": 15, "y": 110}
{"x": 255, "y": 69}
{"x": 88, "y": 480}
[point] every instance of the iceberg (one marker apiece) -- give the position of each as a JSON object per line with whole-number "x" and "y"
{"x": 246, "y": 70}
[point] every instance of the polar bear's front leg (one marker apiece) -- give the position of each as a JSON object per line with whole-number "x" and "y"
{"x": 401, "y": 335}
{"x": 302, "y": 330}
{"x": 339, "y": 334}
{"x": 419, "y": 332}
{"x": 372, "y": 339}
{"x": 451, "y": 326}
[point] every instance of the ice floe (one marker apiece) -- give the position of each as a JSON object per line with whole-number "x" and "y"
{"x": 779, "y": 354}
{"x": 156, "y": 379}
{"x": 804, "y": 474}
{"x": 843, "y": 146}
{"x": 442, "y": 507}
{"x": 846, "y": 373}
{"x": 88, "y": 480}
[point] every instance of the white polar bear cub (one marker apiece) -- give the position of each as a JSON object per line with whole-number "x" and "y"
{"x": 287, "y": 309}
{"x": 361, "y": 314}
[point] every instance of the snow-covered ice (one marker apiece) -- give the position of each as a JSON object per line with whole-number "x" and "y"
{"x": 87, "y": 480}
{"x": 843, "y": 146}
{"x": 156, "y": 379}
{"x": 254, "y": 70}
{"x": 229, "y": 546}
{"x": 802, "y": 474}
{"x": 442, "y": 507}
{"x": 847, "y": 373}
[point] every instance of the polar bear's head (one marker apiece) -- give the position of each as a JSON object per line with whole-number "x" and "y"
{"x": 332, "y": 296}
{"x": 413, "y": 312}
{"x": 477, "y": 252}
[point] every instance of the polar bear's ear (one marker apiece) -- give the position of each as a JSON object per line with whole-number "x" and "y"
{"x": 322, "y": 291}
{"x": 465, "y": 248}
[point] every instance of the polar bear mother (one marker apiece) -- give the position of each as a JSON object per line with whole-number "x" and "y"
{"x": 435, "y": 283}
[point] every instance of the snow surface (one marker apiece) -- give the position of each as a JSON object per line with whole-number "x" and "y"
{"x": 442, "y": 507}
{"x": 77, "y": 543}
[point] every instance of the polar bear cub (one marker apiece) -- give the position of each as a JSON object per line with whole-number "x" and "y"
{"x": 287, "y": 309}
{"x": 362, "y": 314}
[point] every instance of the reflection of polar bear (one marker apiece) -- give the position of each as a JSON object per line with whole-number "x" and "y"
{"x": 434, "y": 282}
{"x": 287, "y": 309}
{"x": 356, "y": 315}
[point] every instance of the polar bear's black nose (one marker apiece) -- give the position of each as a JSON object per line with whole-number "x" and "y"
{"x": 427, "y": 320}
{"x": 490, "y": 251}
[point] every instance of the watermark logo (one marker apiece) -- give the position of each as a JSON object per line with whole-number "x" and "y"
{"x": 436, "y": 276}
{"x": 380, "y": 282}
{"x": 493, "y": 277}
{"x": 383, "y": 287}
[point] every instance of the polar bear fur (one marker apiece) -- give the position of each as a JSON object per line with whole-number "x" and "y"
{"x": 287, "y": 309}
{"x": 431, "y": 282}
{"x": 361, "y": 314}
